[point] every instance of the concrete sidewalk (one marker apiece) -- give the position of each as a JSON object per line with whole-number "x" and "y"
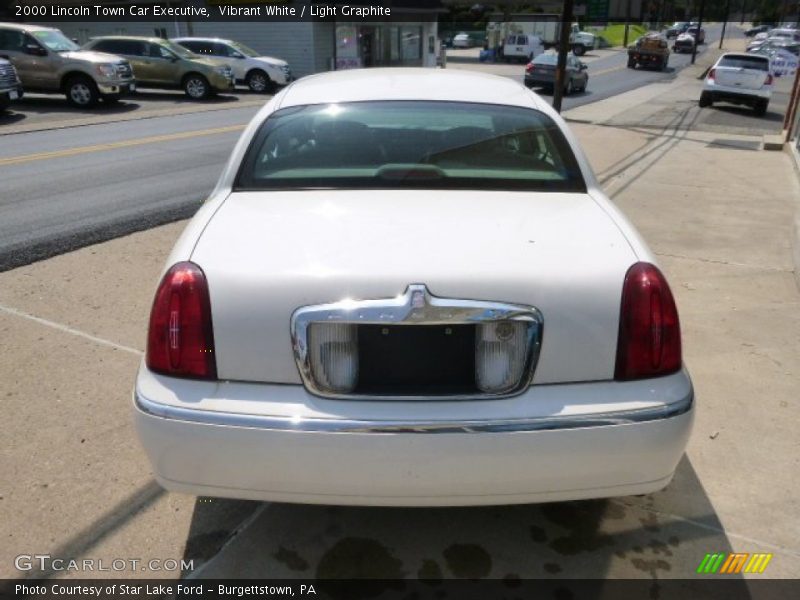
{"x": 719, "y": 216}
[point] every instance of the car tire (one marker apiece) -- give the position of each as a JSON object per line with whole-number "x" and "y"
{"x": 631, "y": 63}
{"x": 196, "y": 86}
{"x": 705, "y": 100}
{"x": 81, "y": 92}
{"x": 578, "y": 50}
{"x": 259, "y": 82}
{"x": 761, "y": 107}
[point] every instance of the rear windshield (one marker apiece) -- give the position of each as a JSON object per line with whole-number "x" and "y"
{"x": 745, "y": 62}
{"x": 546, "y": 58}
{"x": 439, "y": 145}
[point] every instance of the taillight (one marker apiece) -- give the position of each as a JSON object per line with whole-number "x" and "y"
{"x": 180, "y": 341}
{"x": 529, "y": 68}
{"x": 712, "y": 74}
{"x": 769, "y": 79}
{"x": 649, "y": 343}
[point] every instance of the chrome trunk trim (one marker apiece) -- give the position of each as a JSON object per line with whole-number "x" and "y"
{"x": 416, "y": 306}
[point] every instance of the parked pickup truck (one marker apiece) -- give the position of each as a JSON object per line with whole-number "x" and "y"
{"x": 650, "y": 50}
{"x": 10, "y": 85}
{"x": 47, "y": 61}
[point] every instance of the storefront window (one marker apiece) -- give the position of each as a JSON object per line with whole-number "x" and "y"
{"x": 378, "y": 46}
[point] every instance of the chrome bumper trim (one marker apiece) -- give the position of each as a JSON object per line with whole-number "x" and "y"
{"x": 307, "y": 425}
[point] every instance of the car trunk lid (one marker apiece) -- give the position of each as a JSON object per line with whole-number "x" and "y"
{"x": 266, "y": 254}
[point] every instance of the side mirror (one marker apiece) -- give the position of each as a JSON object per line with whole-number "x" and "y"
{"x": 35, "y": 50}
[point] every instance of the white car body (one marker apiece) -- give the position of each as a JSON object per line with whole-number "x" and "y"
{"x": 463, "y": 40}
{"x": 741, "y": 78}
{"x": 260, "y": 430}
{"x": 522, "y": 46}
{"x": 243, "y": 65}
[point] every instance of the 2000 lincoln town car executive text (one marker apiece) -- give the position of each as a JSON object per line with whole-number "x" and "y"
{"x": 408, "y": 289}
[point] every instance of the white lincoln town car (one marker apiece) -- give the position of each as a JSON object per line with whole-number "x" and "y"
{"x": 408, "y": 289}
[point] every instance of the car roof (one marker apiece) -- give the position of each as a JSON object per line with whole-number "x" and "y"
{"x": 742, "y": 55}
{"x": 141, "y": 38}
{"x": 26, "y": 27}
{"x": 409, "y": 83}
{"x": 200, "y": 39}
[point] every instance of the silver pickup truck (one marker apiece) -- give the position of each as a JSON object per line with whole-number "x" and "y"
{"x": 49, "y": 62}
{"x": 10, "y": 85}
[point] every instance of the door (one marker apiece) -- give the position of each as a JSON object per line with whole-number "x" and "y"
{"x": 31, "y": 68}
{"x": 163, "y": 66}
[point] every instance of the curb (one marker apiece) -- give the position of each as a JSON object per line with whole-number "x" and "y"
{"x": 794, "y": 155}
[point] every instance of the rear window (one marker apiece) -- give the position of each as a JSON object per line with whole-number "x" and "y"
{"x": 432, "y": 145}
{"x": 756, "y": 63}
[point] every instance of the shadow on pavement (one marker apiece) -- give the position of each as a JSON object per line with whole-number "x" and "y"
{"x": 623, "y": 537}
{"x": 9, "y": 117}
{"x": 51, "y": 105}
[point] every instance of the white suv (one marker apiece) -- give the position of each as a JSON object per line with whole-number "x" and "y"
{"x": 260, "y": 73}
{"x": 741, "y": 79}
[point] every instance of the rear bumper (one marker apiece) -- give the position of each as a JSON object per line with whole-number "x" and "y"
{"x": 539, "y": 81}
{"x": 293, "y": 447}
{"x": 736, "y": 94}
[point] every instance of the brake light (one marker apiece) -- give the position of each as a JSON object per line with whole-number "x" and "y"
{"x": 529, "y": 68}
{"x": 712, "y": 74}
{"x": 649, "y": 343}
{"x": 180, "y": 341}
{"x": 769, "y": 79}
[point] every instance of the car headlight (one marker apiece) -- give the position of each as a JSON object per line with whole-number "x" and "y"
{"x": 106, "y": 71}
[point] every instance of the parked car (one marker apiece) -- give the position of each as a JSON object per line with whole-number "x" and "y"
{"x": 740, "y": 78}
{"x": 160, "y": 63}
{"x": 756, "y": 30}
{"x": 649, "y": 50}
{"x": 784, "y": 35}
{"x": 463, "y": 40}
{"x": 259, "y": 73}
{"x": 397, "y": 357}
{"x": 522, "y": 47}
{"x": 686, "y": 41}
{"x": 677, "y": 28}
{"x": 49, "y": 62}
{"x": 541, "y": 72}
{"x": 10, "y": 85}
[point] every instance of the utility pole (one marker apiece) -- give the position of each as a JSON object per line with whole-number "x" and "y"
{"x": 791, "y": 110}
{"x": 725, "y": 22}
{"x": 699, "y": 27}
{"x": 563, "y": 50}
{"x": 627, "y": 23}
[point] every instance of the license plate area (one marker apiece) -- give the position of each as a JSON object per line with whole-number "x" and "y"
{"x": 411, "y": 360}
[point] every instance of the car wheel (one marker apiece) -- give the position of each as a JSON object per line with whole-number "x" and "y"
{"x": 578, "y": 50}
{"x": 705, "y": 100}
{"x": 258, "y": 82}
{"x": 631, "y": 63}
{"x": 196, "y": 87}
{"x": 761, "y": 107}
{"x": 81, "y": 92}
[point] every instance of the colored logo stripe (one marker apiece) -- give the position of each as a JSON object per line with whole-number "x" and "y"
{"x": 734, "y": 563}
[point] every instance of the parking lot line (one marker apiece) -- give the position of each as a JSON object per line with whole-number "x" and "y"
{"x": 14, "y": 160}
{"x": 67, "y": 329}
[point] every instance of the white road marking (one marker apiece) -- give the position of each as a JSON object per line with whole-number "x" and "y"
{"x": 70, "y": 330}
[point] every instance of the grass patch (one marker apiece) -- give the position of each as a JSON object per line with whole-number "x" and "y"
{"x": 615, "y": 34}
